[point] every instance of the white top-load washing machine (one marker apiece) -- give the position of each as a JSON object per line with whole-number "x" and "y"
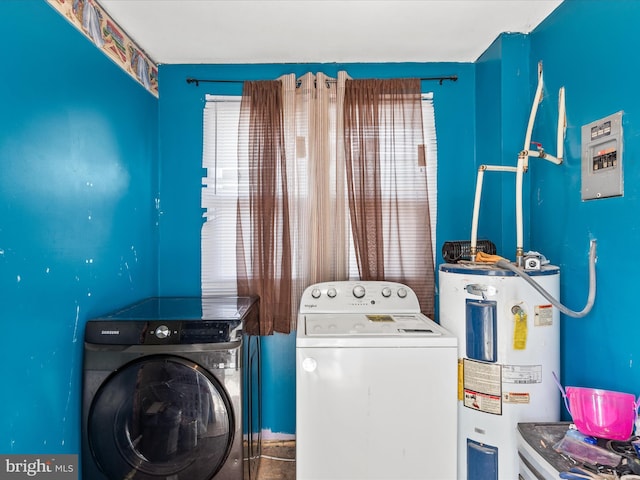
{"x": 376, "y": 385}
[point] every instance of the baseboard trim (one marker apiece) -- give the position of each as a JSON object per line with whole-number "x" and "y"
{"x": 269, "y": 436}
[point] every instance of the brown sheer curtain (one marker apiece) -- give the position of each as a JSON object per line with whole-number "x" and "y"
{"x": 316, "y": 180}
{"x": 263, "y": 232}
{"x": 387, "y": 184}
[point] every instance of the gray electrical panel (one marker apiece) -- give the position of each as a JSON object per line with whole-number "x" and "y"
{"x": 602, "y": 158}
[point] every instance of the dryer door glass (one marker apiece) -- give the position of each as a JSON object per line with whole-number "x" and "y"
{"x": 161, "y": 417}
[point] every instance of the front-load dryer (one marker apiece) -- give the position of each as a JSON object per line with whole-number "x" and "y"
{"x": 171, "y": 391}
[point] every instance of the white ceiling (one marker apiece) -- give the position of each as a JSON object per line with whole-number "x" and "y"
{"x": 303, "y": 31}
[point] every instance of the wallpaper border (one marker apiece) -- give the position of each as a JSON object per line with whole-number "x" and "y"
{"x": 90, "y": 18}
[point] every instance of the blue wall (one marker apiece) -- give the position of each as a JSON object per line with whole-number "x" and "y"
{"x": 180, "y": 127}
{"x": 589, "y": 47}
{"x": 78, "y": 160}
{"x": 585, "y": 47}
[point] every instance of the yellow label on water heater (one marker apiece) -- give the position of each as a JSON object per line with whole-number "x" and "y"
{"x": 520, "y": 330}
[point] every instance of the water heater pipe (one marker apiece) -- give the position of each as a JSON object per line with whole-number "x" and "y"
{"x": 476, "y": 202}
{"x": 521, "y": 168}
{"x": 534, "y": 109}
{"x": 540, "y": 153}
{"x": 561, "y": 132}
{"x": 592, "y": 284}
{"x": 523, "y": 158}
{"x": 562, "y": 124}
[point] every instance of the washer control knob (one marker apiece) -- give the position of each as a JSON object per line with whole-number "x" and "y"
{"x": 358, "y": 291}
{"x": 386, "y": 292}
{"x": 402, "y": 292}
{"x": 309, "y": 364}
{"x": 332, "y": 292}
{"x": 163, "y": 331}
{"x": 315, "y": 293}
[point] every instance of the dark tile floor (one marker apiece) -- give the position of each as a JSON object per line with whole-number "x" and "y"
{"x": 278, "y": 461}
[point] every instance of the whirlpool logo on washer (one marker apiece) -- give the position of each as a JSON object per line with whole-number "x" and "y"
{"x": 58, "y": 467}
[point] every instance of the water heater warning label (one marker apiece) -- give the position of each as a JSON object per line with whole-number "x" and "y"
{"x": 484, "y": 403}
{"x": 483, "y": 386}
{"x": 516, "y": 397}
{"x": 544, "y": 315}
{"x": 522, "y": 374}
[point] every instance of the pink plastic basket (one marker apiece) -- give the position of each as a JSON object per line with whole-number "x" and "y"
{"x": 601, "y": 413}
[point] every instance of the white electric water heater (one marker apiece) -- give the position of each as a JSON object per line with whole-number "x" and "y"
{"x": 508, "y": 349}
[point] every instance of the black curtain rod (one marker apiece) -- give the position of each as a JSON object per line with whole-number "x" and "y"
{"x": 198, "y": 81}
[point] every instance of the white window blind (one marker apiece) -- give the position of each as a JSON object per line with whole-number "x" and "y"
{"x": 220, "y": 188}
{"x": 219, "y": 193}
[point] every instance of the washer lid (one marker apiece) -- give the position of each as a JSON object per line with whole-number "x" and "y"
{"x": 175, "y": 320}
{"x": 185, "y": 308}
{"x": 403, "y": 329}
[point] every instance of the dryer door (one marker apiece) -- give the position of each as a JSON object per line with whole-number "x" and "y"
{"x": 161, "y": 417}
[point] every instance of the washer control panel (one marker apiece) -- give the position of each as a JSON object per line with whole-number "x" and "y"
{"x": 172, "y": 332}
{"x": 359, "y": 297}
{"x": 162, "y": 331}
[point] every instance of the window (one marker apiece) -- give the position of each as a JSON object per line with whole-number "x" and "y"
{"x": 220, "y": 189}
{"x": 219, "y": 193}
